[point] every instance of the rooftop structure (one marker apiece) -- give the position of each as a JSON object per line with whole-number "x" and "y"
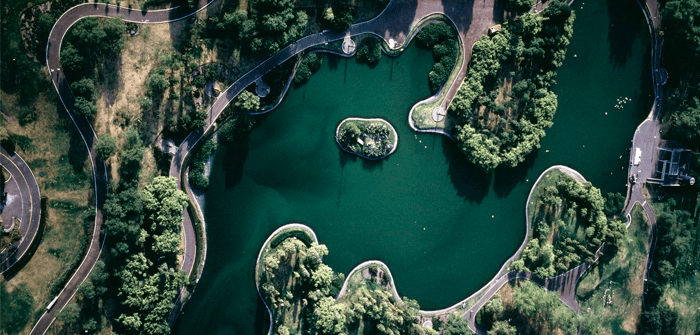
{"x": 672, "y": 166}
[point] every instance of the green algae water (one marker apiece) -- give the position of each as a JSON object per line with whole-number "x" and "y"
{"x": 442, "y": 227}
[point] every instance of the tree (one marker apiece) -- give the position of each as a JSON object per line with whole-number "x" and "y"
{"x": 156, "y": 83}
{"x": 247, "y": 102}
{"x": 519, "y": 6}
{"x": 455, "y": 325}
{"x": 163, "y": 207}
{"x": 70, "y": 313}
{"x": 329, "y": 317}
{"x": 502, "y": 328}
{"x": 16, "y": 306}
{"x": 370, "y": 51}
{"x": 84, "y": 88}
{"x": 342, "y": 21}
{"x": 106, "y": 146}
{"x": 84, "y": 107}
{"x": 71, "y": 60}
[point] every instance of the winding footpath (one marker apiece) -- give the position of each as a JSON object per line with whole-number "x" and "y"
{"x": 30, "y": 205}
{"x": 87, "y": 133}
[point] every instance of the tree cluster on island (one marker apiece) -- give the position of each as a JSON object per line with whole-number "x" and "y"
{"x": 301, "y": 292}
{"x": 568, "y": 226}
{"x": 442, "y": 39}
{"x": 505, "y": 103}
{"x": 369, "y": 139}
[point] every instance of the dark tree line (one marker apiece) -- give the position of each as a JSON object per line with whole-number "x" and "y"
{"x": 441, "y": 38}
{"x": 675, "y": 260}
{"x": 144, "y": 229}
{"x": 86, "y": 46}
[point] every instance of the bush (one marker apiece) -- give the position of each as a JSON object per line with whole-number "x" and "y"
{"x": 106, "y": 146}
{"x": 370, "y": 51}
{"x": 84, "y": 107}
{"x": 519, "y": 6}
{"x": 196, "y": 175}
{"x": 308, "y": 66}
{"x": 16, "y": 308}
{"x": 27, "y": 115}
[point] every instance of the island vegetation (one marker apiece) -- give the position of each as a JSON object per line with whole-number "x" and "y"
{"x": 368, "y": 138}
{"x": 300, "y": 290}
{"x": 567, "y": 226}
{"x": 505, "y": 104}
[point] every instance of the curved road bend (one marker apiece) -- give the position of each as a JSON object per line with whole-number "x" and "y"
{"x": 30, "y": 201}
{"x": 86, "y": 131}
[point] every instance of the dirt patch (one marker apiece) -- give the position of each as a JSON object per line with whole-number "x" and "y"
{"x": 632, "y": 319}
{"x": 669, "y": 302}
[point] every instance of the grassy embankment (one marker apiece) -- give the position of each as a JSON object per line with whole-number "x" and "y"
{"x": 610, "y": 292}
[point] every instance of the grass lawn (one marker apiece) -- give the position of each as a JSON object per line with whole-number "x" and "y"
{"x": 684, "y": 299}
{"x": 610, "y": 293}
{"x": 52, "y": 147}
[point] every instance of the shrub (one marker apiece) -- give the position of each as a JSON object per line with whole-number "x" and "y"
{"x": 370, "y": 51}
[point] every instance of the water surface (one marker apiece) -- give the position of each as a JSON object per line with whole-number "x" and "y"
{"x": 443, "y": 227}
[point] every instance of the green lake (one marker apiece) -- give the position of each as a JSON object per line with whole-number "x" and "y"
{"x": 442, "y": 227}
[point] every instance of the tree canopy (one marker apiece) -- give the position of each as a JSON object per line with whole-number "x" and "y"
{"x": 495, "y": 126}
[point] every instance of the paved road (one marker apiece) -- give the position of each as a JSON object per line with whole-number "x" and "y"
{"x": 30, "y": 205}
{"x": 87, "y": 132}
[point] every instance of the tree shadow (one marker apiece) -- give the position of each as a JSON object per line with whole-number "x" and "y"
{"x": 371, "y": 165}
{"x": 625, "y": 24}
{"x": 334, "y": 60}
{"x": 14, "y": 266}
{"x": 505, "y": 178}
{"x": 471, "y": 183}
{"x": 234, "y": 158}
{"x": 262, "y": 318}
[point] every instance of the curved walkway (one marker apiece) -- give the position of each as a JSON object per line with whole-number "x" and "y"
{"x": 87, "y": 133}
{"x": 30, "y": 207}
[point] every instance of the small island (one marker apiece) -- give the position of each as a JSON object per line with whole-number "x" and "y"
{"x": 368, "y": 138}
